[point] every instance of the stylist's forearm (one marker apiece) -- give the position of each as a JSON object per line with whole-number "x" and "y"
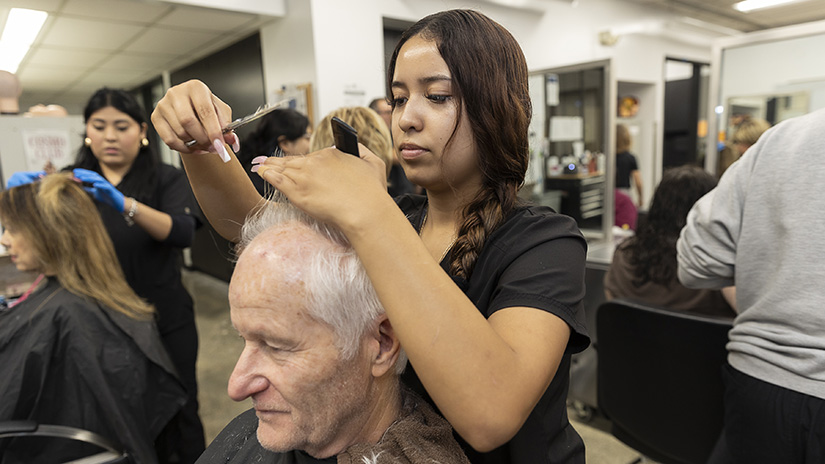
{"x": 156, "y": 223}
{"x": 223, "y": 190}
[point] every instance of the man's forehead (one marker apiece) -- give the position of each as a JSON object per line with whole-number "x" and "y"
{"x": 270, "y": 272}
{"x": 285, "y": 235}
{"x": 283, "y": 243}
{"x": 276, "y": 256}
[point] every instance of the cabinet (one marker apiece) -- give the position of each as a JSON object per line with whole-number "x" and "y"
{"x": 582, "y": 197}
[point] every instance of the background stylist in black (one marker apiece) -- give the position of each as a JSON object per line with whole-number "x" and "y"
{"x": 150, "y": 214}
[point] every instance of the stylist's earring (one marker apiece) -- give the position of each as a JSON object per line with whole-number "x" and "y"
{"x": 87, "y": 141}
{"x": 144, "y": 142}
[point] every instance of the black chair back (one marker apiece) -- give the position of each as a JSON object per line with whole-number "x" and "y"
{"x": 659, "y": 379}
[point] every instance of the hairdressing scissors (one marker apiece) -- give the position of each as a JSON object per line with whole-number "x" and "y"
{"x": 258, "y": 114}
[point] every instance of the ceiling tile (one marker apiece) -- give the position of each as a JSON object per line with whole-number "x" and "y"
{"x": 38, "y": 77}
{"x": 56, "y": 57}
{"x": 90, "y": 35}
{"x": 202, "y": 18}
{"x": 721, "y": 12}
{"x": 173, "y": 41}
{"x": 137, "y": 62}
{"x": 97, "y": 79}
{"x": 790, "y": 14}
{"x": 116, "y": 10}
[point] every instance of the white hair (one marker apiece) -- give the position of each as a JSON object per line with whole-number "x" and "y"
{"x": 339, "y": 292}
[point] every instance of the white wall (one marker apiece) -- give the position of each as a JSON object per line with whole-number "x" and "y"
{"x": 349, "y": 52}
{"x": 287, "y": 46}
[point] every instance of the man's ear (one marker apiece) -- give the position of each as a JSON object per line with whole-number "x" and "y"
{"x": 388, "y": 347}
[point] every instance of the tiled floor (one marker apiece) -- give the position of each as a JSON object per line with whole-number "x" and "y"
{"x": 220, "y": 347}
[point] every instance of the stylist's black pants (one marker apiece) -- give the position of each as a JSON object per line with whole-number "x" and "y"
{"x": 765, "y": 423}
{"x": 182, "y": 441}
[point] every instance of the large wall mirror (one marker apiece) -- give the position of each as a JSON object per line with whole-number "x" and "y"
{"x": 773, "y": 75}
{"x": 572, "y": 144}
{"x": 773, "y": 108}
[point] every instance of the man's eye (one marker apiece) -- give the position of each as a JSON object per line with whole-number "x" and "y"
{"x": 273, "y": 349}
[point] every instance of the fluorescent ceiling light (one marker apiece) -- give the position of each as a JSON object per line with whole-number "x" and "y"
{"x": 749, "y": 5}
{"x": 22, "y": 27}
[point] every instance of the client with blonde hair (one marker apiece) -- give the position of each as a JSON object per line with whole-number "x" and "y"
{"x": 80, "y": 348}
{"x": 372, "y": 132}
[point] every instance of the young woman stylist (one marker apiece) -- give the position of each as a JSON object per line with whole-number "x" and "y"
{"x": 148, "y": 211}
{"x": 484, "y": 293}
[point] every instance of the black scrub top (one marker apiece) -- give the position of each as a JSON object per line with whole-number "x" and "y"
{"x": 535, "y": 259}
{"x": 152, "y": 268}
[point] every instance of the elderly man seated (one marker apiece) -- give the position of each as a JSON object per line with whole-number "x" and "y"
{"x": 320, "y": 362}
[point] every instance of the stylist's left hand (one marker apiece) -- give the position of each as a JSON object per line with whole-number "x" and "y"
{"x": 330, "y": 185}
{"x": 101, "y": 189}
{"x": 24, "y": 177}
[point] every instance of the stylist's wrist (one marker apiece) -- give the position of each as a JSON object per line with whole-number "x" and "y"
{"x": 365, "y": 220}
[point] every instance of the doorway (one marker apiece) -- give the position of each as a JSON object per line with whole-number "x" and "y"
{"x": 685, "y": 129}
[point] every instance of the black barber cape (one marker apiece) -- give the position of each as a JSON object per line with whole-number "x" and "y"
{"x": 66, "y": 360}
{"x": 238, "y": 443}
{"x": 418, "y": 436}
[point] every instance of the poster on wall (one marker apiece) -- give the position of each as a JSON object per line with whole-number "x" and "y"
{"x": 300, "y": 97}
{"x": 43, "y": 146}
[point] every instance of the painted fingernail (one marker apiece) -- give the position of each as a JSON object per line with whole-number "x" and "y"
{"x": 255, "y": 167}
{"x": 236, "y": 145}
{"x": 259, "y": 159}
{"x": 218, "y": 144}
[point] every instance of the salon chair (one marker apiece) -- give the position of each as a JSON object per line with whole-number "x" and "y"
{"x": 660, "y": 379}
{"x": 110, "y": 454}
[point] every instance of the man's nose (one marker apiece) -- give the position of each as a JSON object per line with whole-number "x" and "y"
{"x": 245, "y": 380}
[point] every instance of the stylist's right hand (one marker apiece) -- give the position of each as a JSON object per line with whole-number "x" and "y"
{"x": 190, "y": 111}
{"x": 100, "y": 188}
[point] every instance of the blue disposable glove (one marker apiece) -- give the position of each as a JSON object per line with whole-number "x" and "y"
{"x": 24, "y": 177}
{"x": 100, "y": 188}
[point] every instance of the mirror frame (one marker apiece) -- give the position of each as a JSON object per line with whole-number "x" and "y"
{"x": 609, "y": 137}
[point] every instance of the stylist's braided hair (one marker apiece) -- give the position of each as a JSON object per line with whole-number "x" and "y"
{"x": 489, "y": 75}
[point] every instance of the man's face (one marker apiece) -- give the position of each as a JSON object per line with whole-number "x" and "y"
{"x": 305, "y": 396}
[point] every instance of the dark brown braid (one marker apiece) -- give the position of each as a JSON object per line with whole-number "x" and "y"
{"x": 489, "y": 75}
{"x": 481, "y": 218}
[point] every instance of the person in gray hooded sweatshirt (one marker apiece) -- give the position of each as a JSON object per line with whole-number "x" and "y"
{"x": 762, "y": 229}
